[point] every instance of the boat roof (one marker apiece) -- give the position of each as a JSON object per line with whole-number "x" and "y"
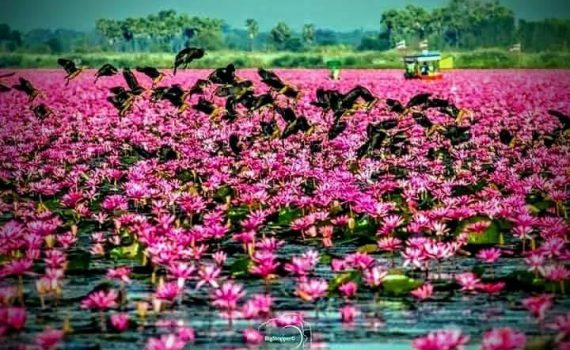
{"x": 423, "y": 57}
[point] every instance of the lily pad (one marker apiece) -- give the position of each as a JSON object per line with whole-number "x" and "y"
{"x": 398, "y": 284}
{"x": 133, "y": 251}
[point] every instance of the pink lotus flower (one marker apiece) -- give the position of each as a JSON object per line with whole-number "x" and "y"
{"x": 537, "y": 306}
{"x": 491, "y": 288}
{"x": 348, "y": 289}
{"x": 489, "y": 255}
{"x": 503, "y": 339}
{"x": 424, "y": 292}
{"x": 120, "y": 321}
{"x": 100, "y": 300}
{"x": 468, "y": 281}
{"x": 186, "y": 334}
{"x": 312, "y": 289}
{"x": 348, "y": 313}
{"x": 227, "y": 296}
{"x": 561, "y": 324}
{"x": 165, "y": 342}
{"x": 120, "y": 273}
{"x": 451, "y": 339}
{"x": 208, "y": 274}
{"x": 375, "y": 276}
{"x": 168, "y": 291}
{"x": 287, "y": 319}
{"x": 13, "y": 318}
{"x": 389, "y": 244}
{"x": 49, "y": 338}
{"x": 252, "y": 336}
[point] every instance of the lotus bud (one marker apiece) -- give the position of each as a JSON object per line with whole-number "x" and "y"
{"x": 351, "y": 223}
{"x": 50, "y": 241}
{"x": 142, "y": 309}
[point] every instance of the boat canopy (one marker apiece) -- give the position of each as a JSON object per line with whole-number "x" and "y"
{"x": 423, "y": 57}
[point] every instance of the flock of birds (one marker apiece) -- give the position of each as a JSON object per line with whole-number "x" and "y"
{"x": 240, "y": 92}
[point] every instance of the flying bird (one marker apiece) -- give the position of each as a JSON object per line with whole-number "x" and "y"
{"x": 562, "y": 118}
{"x": 41, "y": 111}
{"x": 186, "y": 56}
{"x": 106, "y": 70}
{"x": 70, "y": 68}
{"x": 132, "y": 82}
{"x": 152, "y": 73}
{"x": 418, "y": 100}
{"x": 26, "y": 87}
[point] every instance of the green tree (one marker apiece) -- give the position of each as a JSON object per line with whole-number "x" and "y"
{"x": 280, "y": 34}
{"x": 309, "y": 34}
{"x": 252, "y": 31}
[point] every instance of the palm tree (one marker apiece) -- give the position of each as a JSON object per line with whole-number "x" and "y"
{"x": 309, "y": 34}
{"x": 252, "y": 30}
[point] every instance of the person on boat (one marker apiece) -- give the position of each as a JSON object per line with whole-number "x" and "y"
{"x": 425, "y": 69}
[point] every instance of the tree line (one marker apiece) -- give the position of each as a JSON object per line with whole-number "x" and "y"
{"x": 459, "y": 25}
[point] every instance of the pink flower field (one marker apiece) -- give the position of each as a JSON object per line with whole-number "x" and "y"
{"x": 394, "y": 219}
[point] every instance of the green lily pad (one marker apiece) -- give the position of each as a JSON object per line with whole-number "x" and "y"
{"x": 368, "y": 248}
{"x": 399, "y": 284}
{"x": 336, "y": 281}
{"x": 78, "y": 261}
{"x": 240, "y": 266}
{"x": 287, "y": 215}
{"x": 130, "y": 252}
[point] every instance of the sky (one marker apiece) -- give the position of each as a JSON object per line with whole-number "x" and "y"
{"x": 341, "y": 15}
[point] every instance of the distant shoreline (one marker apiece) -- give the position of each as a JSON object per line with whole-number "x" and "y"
{"x": 477, "y": 59}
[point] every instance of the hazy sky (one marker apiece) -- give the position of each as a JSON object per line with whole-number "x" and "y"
{"x": 336, "y": 14}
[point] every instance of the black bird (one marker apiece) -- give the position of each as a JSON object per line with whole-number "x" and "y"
{"x": 186, "y": 56}
{"x": 5, "y": 88}
{"x": 417, "y": 100}
{"x": 315, "y": 146}
{"x": 198, "y": 87}
{"x": 41, "y": 111}
{"x": 505, "y": 137}
{"x": 336, "y": 129}
{"x": 26, "y": 87}
{"x": 236, "y": 90}
{"x": 106, "y": 70}
{"x": 299, "y": 124}
{"x": 260, "y": 101}
{"x": 152, "y": 73}
{"x": 234, "y": 144}
{"x": 205, "y": 107}
{"x": 158, "y": 93}
{"x": 224, "y": 76}
{"x": 457, "y": 134}
{"x": 132, "y": 82}
{"x": 437, "y": 103}
{"x": 451, "y": 111}
{"x": 327, "y": 99}
{"x": 395, "y": 106}
{"x": 268, "y": 128}
{"x": 231, "y": 112}
{"x": 388, "y": 124}
{"x": 563, "y": 118}
{"x": 271, "y": 79}
{"x": 375, "y": 138}
{"x": 349, "y": 99}
{"x": 121, "y": 99}
{"x": 176, "y": 96}
{"x": 287, "y": 114}
{"x": 70, "y": 68}
{"x": 422, "y": 120}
